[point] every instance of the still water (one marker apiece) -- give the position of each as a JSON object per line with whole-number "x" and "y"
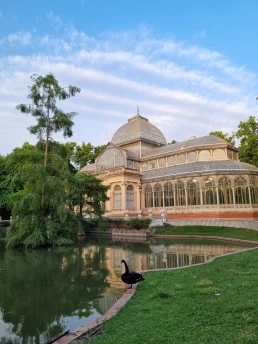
{"x": 45, "y": 292}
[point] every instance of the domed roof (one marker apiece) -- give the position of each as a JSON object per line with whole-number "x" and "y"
{"x": 138, "y": 128}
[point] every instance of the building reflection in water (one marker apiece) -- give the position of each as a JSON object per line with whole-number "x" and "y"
{"x": 67, "y": 287}
{"x": 161, "y": 256}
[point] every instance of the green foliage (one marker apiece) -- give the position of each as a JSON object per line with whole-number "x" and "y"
{"x": 93, "y": 223}
{"x": 40, "y": 174}
{"x": 89, "y": 194}
{"x": 3, "y": 182}
{"x": 172, "y": 142}
{"x": 85, "y": 154}
{"x": 225, "y": 136}
{"x": 248, "y": 135}
{"x": 132, "y": 223}
{"x": 165, "y": 229}
{"x": 30, "y": 228}
{"x": 44, "y": 94}
{"x": 226, "y": 232}
{"x": 104, "y": 223}
{"x": 136, "y": 223}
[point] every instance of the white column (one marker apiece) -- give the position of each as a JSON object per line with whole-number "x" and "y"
{"x": 201, "y": 196}
{"x": 249, "y": 192}
{"x": 234, "y": 196}
{"x": 186, "y": 197}
{"x": 217, "y": 193}
{"x": 137, "y": 198}
{"x": 123, "y": 186}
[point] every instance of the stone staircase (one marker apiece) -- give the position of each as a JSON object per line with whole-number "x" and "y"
{"x": 156, "y": 221}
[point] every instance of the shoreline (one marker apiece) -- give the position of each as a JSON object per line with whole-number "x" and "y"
{"x": 92, "y": 326}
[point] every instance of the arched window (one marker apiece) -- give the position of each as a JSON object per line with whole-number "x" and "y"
{"x": 117, "y": 197}
{"x": 204, "y": 155}
{"x": 218, "y": 154}
{"x": 193, "y": 193}
{"x": 253, "y": 191}
{"x": 145, "y": 166}
{"x": 162, "y": 162}
{"x": 191, "y": 156}
{"x": 110, "y": 158}
{"x": 241, "y": 191}
{"x": 225, "y": 191}
{"x": 169, "y": 195}
{"x": 209, "y": 192}
{"x": 129, "y": 197}
{"x": 158, "y": 196}
{"x": 148, "y": 200}
{"x": 152, "y": 164}
{"x": 171, "y": 160}
{"x": 180, "y": 193}
{"x": 181, "y": 158}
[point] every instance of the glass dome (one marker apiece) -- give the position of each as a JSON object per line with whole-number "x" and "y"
{"x": 138, "y": 128}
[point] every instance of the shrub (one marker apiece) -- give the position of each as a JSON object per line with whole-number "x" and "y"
{"x": 92, "y": 223}
{"x": 136, "y": 223}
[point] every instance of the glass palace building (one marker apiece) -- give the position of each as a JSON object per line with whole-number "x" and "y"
{"x": 194, "y": 180}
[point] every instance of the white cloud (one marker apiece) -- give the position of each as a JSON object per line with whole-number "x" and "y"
{"x": 19, "y": 38}
{"x": 183, "y": 89}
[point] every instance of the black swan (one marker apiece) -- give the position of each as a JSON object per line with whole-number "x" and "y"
{"x": 130, "y": 277}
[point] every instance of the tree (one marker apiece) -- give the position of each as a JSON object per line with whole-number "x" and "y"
{"x": 86, "y": 154}
{"x": 89, "y": 194}
{"x": 248, "y": 135}
{"x": 40, "y": 212}
{"x": 44, "y": 94}
{"x": 4, "y": 187}
{"x": 224, "y": 136}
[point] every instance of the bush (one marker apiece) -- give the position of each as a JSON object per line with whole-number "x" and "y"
{"x": 136, "y": 223}
{"x": 164, "y": 229}
{"x": 117, "y": 222}
{"x": 103, "y": 223}
{"x": 92, "y": 223}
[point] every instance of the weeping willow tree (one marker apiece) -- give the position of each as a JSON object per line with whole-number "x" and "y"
{"x": 39, "y": 209}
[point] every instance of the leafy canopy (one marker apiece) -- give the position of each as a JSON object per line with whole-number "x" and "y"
{"x": 41, "y": 215}
{"x": 248, "y": 135}
{"x": 224, "y": 136}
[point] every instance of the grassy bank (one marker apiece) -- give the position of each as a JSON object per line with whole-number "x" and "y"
{"x": 215, "y": 303}
{"x": 226, "y": 232}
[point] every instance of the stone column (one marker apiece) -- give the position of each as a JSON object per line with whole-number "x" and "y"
{"x": 186, "y": 197}
{"x": 163, "y": 196}
{"x": 201, "y": 196}
{"x": 123, "y": 201}
{"x": 249, "y": 192}
{"x": 217, "y": 193}
{"x": 234, "y": 196}
{"x": 174, "y": 194}
{"x": 109, "y": 203}
{"x": 138, "y": 197}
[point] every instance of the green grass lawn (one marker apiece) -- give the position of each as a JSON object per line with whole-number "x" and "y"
{"x": 227, "y": 232}
{"x": 215, "y": 303}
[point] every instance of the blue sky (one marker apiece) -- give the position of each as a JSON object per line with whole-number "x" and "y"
{"x": 191, "y": 65}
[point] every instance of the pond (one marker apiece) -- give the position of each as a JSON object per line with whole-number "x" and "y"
{"x": 46, "y": 292}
